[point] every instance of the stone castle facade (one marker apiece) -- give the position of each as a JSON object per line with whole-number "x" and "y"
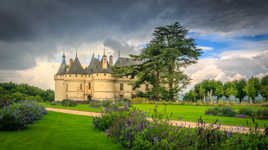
{"x": 95, "y": 82}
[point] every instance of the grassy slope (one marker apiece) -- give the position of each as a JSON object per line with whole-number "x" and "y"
{"x": 82, "y": 107}
{"x": 58, "y": 131}
{"x": 192, "y": 113}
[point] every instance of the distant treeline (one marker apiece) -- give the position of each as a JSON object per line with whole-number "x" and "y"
{"x": 17, "y": 92}
{"x": 253, "y": 90}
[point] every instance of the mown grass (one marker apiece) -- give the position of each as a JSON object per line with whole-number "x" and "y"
{"x": 58, "y": 131}
{"x": 193, "y": 113}
{"x": 184, "y": 112}
{"x": 82, "y": 107}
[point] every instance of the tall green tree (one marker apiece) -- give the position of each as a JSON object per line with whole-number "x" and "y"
{"x": 240, "y": 86}
{"x": 219, "y": 91}
{"x": 161, "y": 62}
{"x": 177, "y": 52}
{"x": 230, "y": 89}
{"x": 250, "y": 89}
{"x": 264, "y": 87}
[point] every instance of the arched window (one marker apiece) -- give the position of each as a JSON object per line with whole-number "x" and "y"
{"x": 66, "y": 87}
{"x": 80, "y": 86}
{"x": 121, "y": 86}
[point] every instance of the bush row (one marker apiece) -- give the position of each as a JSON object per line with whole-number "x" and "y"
{"x": 17, "y": 116}
{"x": 243, "y": 112}
{"x": 135, "y": 132}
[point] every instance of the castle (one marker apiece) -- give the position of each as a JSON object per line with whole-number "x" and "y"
{"x": 95, "y": 82}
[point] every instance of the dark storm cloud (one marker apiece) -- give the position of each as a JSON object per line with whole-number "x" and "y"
{"x": 120, "y": 47}
{"x": 35, "y": 28}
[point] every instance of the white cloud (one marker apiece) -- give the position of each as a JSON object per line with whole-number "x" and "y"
{"x": 205, "y": 48}
{"x": 231, "y": 65}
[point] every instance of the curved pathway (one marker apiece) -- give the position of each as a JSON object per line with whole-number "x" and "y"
{"x": 228, "y": 128}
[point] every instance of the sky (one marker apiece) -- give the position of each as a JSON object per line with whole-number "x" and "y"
{"x": 34, "y": 34}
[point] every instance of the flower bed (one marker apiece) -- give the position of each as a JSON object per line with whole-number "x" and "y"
{"x": 134, "y": 131}
{"x": 17, "y": 116}
{"x": 243, "y": 112}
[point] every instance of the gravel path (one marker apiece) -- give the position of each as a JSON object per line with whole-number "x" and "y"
{"x": 229, "y": 128}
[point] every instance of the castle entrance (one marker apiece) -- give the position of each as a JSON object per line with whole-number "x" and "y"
{"x": 89, "y": 97}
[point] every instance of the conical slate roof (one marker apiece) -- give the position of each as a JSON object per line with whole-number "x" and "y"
{"x": 76, "y": 67}
{"x": 94, "y": 66}
{"x": 122, "y": 61}
{"x": 62, "y": 69}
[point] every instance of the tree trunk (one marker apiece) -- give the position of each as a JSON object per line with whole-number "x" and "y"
{"x": 158, "y": 83}
{"x": 204, "y": 99}
{"x": 170, "y": 83}
{"x": 250, "y": 100}
{"x": 210, "y": 96}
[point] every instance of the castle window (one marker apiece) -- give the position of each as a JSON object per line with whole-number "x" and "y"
{"x": 69, "y": 75}
{"x": 75, "y": 75}
{"x": 121, "y": 96}
{"x": 89, "y": 85}
{"x": 105, "y": 74}
{"x": 66, "y": 87}
{"x": 80, "y": 86}
{"x": 121, "y": 86}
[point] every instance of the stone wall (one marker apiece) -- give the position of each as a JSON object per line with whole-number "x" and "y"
{"x": 100, "y": 86}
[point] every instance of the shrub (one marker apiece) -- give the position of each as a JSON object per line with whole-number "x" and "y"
{"x": 5, "y": 101}
{"x": 95, "y": 104}
{"x": 106, "y": 103}
{"x": 228, "y": 112}
{"x": 247, "y": 111}
{"x": 18, "y": 115}
{"x": 262, "y": 114}
{"x": 213, "y": 111}
{"x": 139, "y": 100}
{"x": 55, "y": 102}
{"x": 68, "y": 103}
{"x": 221, "y": 111}
{"x": 107, "y": 119}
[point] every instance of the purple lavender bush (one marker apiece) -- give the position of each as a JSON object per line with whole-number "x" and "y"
{"x": 18, "y": 115}
{"x": 136, "y": 132}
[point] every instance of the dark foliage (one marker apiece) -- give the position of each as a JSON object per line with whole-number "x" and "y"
{"x": 68, "y": 103}
{"x": 23, "y": 91}
{"x": 221, "y": 111}
{"x": 18, "y": 115}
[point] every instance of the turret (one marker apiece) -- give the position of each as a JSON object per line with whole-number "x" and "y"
{"x": 104, "y": 61}
{"x": 71, "y": 62}
{"x": 111, "y": 60}
{"x": 62, "y": 69}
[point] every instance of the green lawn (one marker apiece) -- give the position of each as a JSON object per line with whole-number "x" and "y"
{"x": 186, "y": 112}
{"x": 58, "y": 131}
{"x": 193, "y": 113}
{"x": 82, "y": 107}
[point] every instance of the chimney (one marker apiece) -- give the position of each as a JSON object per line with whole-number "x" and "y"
{"x": 71, "y": 62}
{"x": 111, "y": 60}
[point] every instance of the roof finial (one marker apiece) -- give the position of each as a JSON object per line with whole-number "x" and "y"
{"x": 118, "y": 53}
{"x": 76, "y": 54}
{"x": 104, "y": 52}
